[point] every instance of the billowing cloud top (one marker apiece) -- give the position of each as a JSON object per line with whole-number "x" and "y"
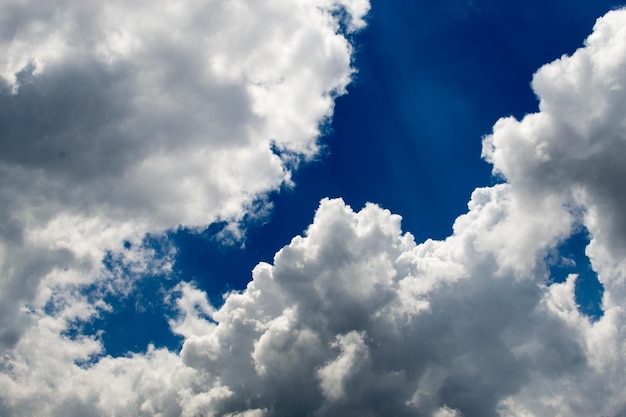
{"x": 354, "y": 317}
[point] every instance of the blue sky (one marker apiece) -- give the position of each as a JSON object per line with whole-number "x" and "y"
{"x": 152, "y": 164}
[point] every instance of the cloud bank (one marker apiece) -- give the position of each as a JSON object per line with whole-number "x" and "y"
{"x": 129, "y": 117}
{"x": 356, "y": 318}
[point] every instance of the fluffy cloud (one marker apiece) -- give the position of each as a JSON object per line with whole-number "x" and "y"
{"x": 356, "y": 318}
{"x": 127, "y": 117}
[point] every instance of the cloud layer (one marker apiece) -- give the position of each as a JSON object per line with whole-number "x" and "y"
{"x": 356, "y": 318}
{"x": 129, "y": 117}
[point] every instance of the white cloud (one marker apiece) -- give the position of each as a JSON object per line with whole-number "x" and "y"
{"x": 120, "y": 118}
{"x": 194, "y": 311}
{"x": 333, "y": 375}
{"x": 355, "y": 318}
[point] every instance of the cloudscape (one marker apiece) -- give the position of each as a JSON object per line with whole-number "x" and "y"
{"x": 131, "y": 128}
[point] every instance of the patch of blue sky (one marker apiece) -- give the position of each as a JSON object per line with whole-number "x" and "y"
{"x": 136, "y": 316}
{"x": 570, "y": 258}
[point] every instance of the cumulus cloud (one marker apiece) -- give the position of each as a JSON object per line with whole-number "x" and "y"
{"x": 355, "y": 318}
{"x": 128, "y": 117}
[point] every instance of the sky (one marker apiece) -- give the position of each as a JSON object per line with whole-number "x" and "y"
{"x": 312, "y": 207}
